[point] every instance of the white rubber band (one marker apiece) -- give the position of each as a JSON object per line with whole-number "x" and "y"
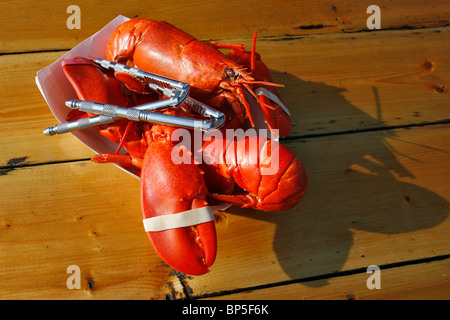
{"x": 271, "y": 96}
{"x": 179, "y": 220}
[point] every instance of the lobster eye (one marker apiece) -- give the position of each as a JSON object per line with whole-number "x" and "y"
{"x": 230, "y": 72}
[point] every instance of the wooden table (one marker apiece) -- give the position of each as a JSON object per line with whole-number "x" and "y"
{"x": 370, "y": 111}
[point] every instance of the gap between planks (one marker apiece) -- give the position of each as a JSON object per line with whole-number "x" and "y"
{"x": 344, "y": 273}
{"x": 20, "y": 162}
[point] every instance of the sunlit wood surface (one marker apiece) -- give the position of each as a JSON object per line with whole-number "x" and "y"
{"x": 371, "y": 116}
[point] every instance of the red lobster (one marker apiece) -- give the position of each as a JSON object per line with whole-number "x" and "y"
{"x": 232, "y": 174}
{"x": 215, "y": 79}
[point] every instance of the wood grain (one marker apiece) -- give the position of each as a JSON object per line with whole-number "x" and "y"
{"x": 373, "y": 199}
{"x": 29, "y": 27}
{"x": 370, "y": 124}
{"x": 425, "y": 281}
{"x": 382, "y": 207}
{"x": 359, "y": 97}
{"x": 55, "y": 216}
{"x": 336, "y": 82}
{"x": 24, "y": 114}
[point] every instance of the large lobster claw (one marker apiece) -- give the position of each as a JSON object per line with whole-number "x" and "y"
{"x": 254, "y": 171}
{"x": 168, "y": 188}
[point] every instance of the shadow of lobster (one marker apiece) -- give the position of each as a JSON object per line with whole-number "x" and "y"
{"x": 355, "y": 183}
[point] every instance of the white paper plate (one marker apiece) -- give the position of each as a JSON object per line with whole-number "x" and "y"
{"x": 56, "y": 89}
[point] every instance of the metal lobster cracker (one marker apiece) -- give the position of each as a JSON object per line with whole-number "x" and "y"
{"x": 176, "y": 197}
{"x": 176, "y": 93}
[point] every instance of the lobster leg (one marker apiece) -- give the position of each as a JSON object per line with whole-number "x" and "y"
{"x": 124, "y": 159}
{"x": 221, "y": 45}
{"x": 273, "y": 109}
{"x": 276, "y": 116}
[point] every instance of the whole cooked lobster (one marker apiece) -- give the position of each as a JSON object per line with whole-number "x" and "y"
{"x": 176, "y": 196}
{"x": 215, "y": 79}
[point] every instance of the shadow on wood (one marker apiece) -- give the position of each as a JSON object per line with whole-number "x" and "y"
{"x": 356, "y": 183}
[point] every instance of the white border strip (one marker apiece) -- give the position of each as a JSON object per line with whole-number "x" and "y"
{"x": 271, "y": 96}
{"x": 179, "y": 220}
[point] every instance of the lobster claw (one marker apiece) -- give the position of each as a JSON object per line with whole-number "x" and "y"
{"x": 92, "y": 83}
{"x": 188, "y": 244}
{"x": 164, "y": 191}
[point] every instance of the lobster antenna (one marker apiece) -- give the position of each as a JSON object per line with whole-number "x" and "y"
{"x": 252, "y": 59}
{"x": 252, "y": 66}
{"x": 266, "y": 83}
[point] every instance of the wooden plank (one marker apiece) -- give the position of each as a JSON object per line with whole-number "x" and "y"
{"x": 24, "y": 114}
{"x": 330, "y": 87}
{"x": 377, "y": 197}
{"x": 354, "y": 82}
{"x": 55, "y": 216}
{"x": 29, "y": 26}
{"x": 373, "y": 198}
{"x": 424, "y": 281}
